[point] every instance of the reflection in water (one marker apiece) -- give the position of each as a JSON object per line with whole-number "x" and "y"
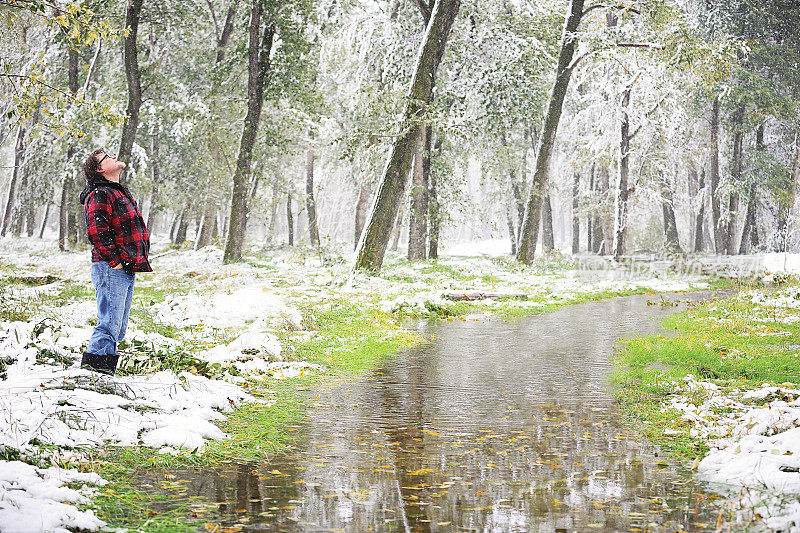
{"x": 493, "y": 426}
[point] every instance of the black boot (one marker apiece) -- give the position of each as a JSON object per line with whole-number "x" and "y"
{"x": 105, "y": 364}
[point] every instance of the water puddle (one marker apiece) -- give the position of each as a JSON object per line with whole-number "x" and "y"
{"x": 493, "y": 426}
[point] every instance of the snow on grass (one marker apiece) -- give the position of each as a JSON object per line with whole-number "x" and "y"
{"x": 738, "y": 402}
{"x": 754, "y": 438}
{"x": 192, "y": 316}
{"x": 33, "y": 500}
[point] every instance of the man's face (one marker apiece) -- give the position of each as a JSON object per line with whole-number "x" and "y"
{"x": 109, "y": 164}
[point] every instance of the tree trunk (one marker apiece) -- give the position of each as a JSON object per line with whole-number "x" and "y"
{"x": 66, "y": 182}
{"x": 434, "y": 207}
{"x": 311, "y": 204}
{"x": 258, "y": 67}
{"x": 133, "y": 77}
{"x": 749, "y": 233}
{"x": 63, "y": 206}
{"x": 290, "y": 219}
{"x": 44, "y": 219}
{"x": 361, "y": 213}
{"x": 621, "y": 221}
{"x": 427, "y": 154}
{"x": 372, "y": 246}
{"x": 670, "y": 223}
{"x": 174, "y": 226}
{"x": 398, "y": 229}
{"x": 576, "y": 221}
{"x": 716, "y": 218}
{"x": 155, "y": 169}
{"x": 418, "y": 214}
{"x": 698, "y": 228}
{"x": 30, "y": 217}
{"x": 73, "y": 227}
{"x": 607, "y": 226}
{"x": 530, "y": 226}
{"x": 19, "y": 155}
{"x": 273, "y": 213}
{"x": 548, "y": 242}
{"x": 516, "y": 211}
{"x": 180, "y": 233}
{"x": 736, "y": 179}
{"x": 207, "y": 224}
{"x": 511, "y": 228}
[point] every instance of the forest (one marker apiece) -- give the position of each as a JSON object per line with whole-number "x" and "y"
{"x": 608, "y": 127}
{"x": 417, "y": 265}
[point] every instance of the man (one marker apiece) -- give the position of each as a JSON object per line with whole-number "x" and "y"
{"x": 120, "y": 244}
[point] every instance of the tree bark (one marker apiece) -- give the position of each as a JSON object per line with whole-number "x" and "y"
{"x": 418, "y": 214}
{"x": 273, "y": 213}
{"x": 311, "y": 204}
{"x": 19, "y": 155}
{"x": 398, "y": 229}
{"x": 361, "y": 213}
{"x": 290, "y": 219}
{"x": 66, "y": 181}
{"x": 548, "y": 242}
{"x": 716, "y": 218}
{"x": 183, "y": 226}
{"x": 63, "y": 206}
{"x": 512, "y": 228}
{"x": 434, "y": 208}
{"x": 516, "y": 210}
{"x": 621, "y": 220}
{"x": 736, "y": 178}
{"x": 44, "y": 219}
{"x": 207, "y": 224}
{"x": 606, "y": 236}
{"x": 698, "y": 228}
{"x": 749, "y": 233}
{"x": 576, "y": 221}
{"x": 227, "y": 29}
{"x": 133, "y": 78}
{"x": 155, "y": 170}
{"x": 372, "y": 246}
{"x": 258, "y": 66}
{"x": 670, "y": 223}
{"x": 530, "y": 226}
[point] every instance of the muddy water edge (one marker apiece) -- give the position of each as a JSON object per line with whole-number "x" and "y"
{"x": 492, "y": 425}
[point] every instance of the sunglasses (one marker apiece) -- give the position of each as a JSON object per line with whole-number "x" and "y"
{"x": 105, "y": 155}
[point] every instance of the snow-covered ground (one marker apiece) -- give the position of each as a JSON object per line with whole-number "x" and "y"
{"x": 754, "y": 435}
{"x": 226, "y": 315}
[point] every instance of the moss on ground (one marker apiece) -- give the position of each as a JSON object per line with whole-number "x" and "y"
{"x": 730, "y": 342}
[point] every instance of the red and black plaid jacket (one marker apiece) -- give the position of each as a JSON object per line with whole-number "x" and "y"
{"x": 115, "y": 226}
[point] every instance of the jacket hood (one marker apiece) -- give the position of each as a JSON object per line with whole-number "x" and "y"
{"x": 95, "y": 183}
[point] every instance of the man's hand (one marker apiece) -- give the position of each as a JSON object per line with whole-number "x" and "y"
{"x": 118, "y": 267}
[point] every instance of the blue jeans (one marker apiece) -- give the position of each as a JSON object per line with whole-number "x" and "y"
{"x": 114, "y": 291}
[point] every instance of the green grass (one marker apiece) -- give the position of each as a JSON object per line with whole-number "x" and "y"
{"x": 120, "y": 502}
{"x": 348, "y": 340}
{"x": 715, "y": 341}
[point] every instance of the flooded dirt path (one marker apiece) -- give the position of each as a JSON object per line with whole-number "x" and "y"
{"x": 493, "y": 425}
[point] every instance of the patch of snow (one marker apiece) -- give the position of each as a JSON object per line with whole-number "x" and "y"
{"x": 35, "y": 500}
